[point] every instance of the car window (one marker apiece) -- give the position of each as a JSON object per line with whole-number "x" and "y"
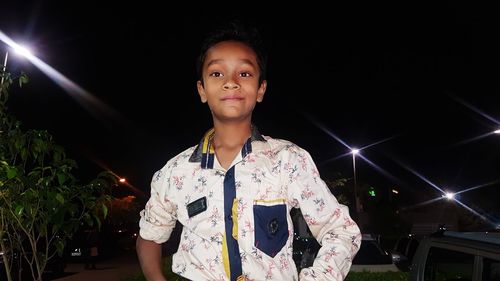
{"x": 401, "y": 246}
{"x": 491, "y": 270}
{"x": 371, "y": 253}
{"x": 412, "y": 247}
{"x": 448, "y": 265}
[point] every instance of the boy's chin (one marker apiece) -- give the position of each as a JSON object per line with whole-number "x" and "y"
{"x": 233, "y": 118}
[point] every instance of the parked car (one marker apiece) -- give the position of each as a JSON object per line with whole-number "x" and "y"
{"x": 372, "y": 257}
{"x": 305, "y": 249}
{"x": 403, "y": 251}
{"x": 457, "y": 256}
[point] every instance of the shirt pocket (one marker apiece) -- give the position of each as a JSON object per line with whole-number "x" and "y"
{"x": 271, "y": 226}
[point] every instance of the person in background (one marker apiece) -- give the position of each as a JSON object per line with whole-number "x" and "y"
{"x": 92, "y": 249}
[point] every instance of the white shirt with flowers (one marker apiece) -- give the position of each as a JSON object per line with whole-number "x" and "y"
{"x": 275, "y": 176}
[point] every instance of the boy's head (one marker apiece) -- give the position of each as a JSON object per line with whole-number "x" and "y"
{"x": 234, "y": 31}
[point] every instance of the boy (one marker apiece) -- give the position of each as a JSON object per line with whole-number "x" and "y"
{"x": 233, "y": 192}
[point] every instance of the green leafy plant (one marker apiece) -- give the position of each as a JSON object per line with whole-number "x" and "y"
{"x": 41, "y": 202}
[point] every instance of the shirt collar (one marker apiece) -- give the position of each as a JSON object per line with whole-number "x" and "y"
{"x": 205, "y": 152}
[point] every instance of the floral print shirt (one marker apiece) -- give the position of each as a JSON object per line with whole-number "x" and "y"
{"x": 237, "y": 223}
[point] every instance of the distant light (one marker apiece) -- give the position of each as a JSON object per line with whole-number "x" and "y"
{"x": 449, "y": 195}
{"x": 371, "y": 192}
{"x": 395, "y": 191}
{"x": 122, "y": 180}
{"x": 497, "y": 131}
{"x": 354, "y": 151}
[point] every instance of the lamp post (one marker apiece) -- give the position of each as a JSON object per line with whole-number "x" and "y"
{"x": 356, "y": 199}
{"x": 23, "y": 51}
{"x": 4, "y": 67}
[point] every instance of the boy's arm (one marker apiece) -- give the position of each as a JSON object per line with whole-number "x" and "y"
{"x": 149, "y": 254}
{"x": 328, "y": 220}
{"x": 156, "y": 224}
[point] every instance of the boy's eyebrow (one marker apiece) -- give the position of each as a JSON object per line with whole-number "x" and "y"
{"x": 216, "y": 61}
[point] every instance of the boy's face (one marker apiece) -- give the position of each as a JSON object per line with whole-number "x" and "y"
{"x": 231, "y": 81}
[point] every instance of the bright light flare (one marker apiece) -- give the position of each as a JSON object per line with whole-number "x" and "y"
{"x": 476, "y": 110}
{"x": 480, "y": 112}
{"x": 419, "y": 176}
{"x": 122, "y": 180}
{"x": 478, "y": 186}
{"x": 449, "y": 195}
{"x": 484, "y": 218}
{"x": 96, "y": 107}
{"x": 477, "y": 138}
{"x": 422, "y": 203}
{"x": 354, "y": 151}
{"x": 23, "y": 51}
{"x": 381, "y": 170}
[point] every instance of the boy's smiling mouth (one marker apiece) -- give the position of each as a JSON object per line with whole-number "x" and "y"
{"x": 232, "y": 98}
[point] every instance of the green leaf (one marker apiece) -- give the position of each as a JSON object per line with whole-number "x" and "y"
{"x": 61, "y": 178}
{"x": 19, "y": 210}
{"x": 60, "y": 247}
{"x": 87, "y": 219}
{"x": 23, "y": 79}
{"x": 98, "y": 222}
{"x": 60, "y": 198}
{"x": 55, "y": 228}
{"x": 11, "y": 173}
{"x": 104, "y": 210}
{"x": 24, "y": 153}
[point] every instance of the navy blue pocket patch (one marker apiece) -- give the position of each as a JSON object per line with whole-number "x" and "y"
{"x": 271, "y": 228}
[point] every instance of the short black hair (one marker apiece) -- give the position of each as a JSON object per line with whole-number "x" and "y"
{"x": 239, "y": 32}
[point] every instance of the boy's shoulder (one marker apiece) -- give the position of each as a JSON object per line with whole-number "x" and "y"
{"x": 283, "y": 145}
{"x": 180, "y": 159}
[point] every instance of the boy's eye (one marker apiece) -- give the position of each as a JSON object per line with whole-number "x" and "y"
{"x": 245, "y": 74}
{"x": 216, "y": 74}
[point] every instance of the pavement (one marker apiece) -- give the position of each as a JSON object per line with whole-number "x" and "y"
{"x": 116, "y": 268}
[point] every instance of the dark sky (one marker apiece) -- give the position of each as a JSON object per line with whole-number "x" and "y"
{"x": 416, "y": 73}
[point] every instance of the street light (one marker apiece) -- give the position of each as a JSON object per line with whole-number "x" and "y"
{"x": 497, "y": 132}
{"x": 449, "y": 195}
{"x": 356, "y": 199}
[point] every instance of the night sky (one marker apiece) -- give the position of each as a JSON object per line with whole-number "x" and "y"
{"x": 423, "y": 77}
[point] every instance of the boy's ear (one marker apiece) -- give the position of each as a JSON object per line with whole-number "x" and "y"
{"x": 201, "y": 91}
{"x": 261, "y": 91}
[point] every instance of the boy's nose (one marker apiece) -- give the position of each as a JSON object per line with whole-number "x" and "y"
{"x": 231, "y": 85}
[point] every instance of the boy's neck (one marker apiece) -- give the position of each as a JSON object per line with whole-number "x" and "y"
{"x": 231, "y": 135}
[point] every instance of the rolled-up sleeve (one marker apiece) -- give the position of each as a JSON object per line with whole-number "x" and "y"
{"x": 160, "y": 213}
{"x": 329, "y": 221}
